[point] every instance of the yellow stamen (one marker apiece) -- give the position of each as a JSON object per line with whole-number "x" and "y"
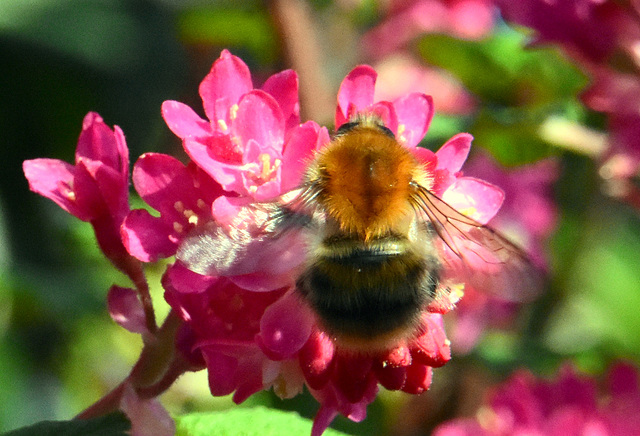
{"x": 233, "y": 112}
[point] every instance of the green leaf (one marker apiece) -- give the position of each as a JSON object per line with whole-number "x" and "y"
{"x": 245, "y": 28}
{"x": 511, "y": 142}
{"x": 500, "y": 70}
{"x": 258, "y": 421}
{"x": 601, "y": 312}
{"x": 115, "y": 424}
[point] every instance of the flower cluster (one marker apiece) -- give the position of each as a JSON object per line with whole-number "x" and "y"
{"x": 602, "y": 37}
{"x": 248, "y": 326}
{"x": 528, "y": 215}
{"x": 569, "y": 405}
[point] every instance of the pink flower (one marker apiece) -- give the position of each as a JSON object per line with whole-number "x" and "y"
{"x": 252, "y": 143}
{"x": 602, "y": 36}
{"x": 96, "y": 188}
{"x": 568, "y": 405}
{"x": 528, "y": 215}
{"x": 407, "y": 19}
{"x": 182, "y": 194}
{"x": 408, "y": 118}
{"x": 400, "y": 74}
{"x": 251, "y": 340}
{"x": 588, "y": 29}
{"x": 147, "y": 416}
{"x": 618, "y": 95}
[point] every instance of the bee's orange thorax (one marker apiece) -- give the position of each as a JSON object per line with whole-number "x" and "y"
{"x": 365, "y": 177}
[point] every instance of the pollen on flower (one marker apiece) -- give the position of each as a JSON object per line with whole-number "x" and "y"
{"x": 201, "y": 204}
{"x": 71, "y": 196}
{"x": 222, "y": 125}
{"x": 179, "y": 228}
{"x": 267, "y": 169}
{"x": 400, "y": 135}
{"x": 178, "y": 206}
{"x": 456, "y": 292}
{"x": 233, "y": 111}
{"x": 67, "y": 190}
{"x": 191, "y": 216}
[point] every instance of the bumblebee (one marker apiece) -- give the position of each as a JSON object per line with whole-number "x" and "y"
{"x": 377, "y": 240}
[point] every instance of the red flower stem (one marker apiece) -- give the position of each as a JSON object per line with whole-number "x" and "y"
{"x": 154, "y": 372}
{"x": 147, "y": 305}
{"x": 178, "y": 367}
{"x": 136, "y": 274}
{"x": 157, "y": 354}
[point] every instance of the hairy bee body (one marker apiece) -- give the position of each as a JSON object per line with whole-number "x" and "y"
{"x": 374, "y": 267}
{"x": 376, "y": 240}
{"x": 367, "y": 293}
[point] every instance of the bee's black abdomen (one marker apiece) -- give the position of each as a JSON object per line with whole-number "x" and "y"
{"x": 369, "y": 294}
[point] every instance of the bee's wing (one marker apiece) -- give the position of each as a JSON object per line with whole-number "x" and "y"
{"x": 261, "y": 237}
{"x": 478, "y": 255}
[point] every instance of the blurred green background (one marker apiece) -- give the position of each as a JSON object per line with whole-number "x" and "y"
{"x": 59, "y": 350}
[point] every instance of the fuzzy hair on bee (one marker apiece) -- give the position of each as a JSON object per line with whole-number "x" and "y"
{"x": 375, "y": 240}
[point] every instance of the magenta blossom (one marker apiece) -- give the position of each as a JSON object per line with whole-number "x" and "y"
{"x": 95, "y": 189}
{"x": 569, "y": 405}
{"x": 253, "y": 143}
{"x": 400, "y": 74}
{"x": 182, "y": 194}
{"x": 407, "y": 19}
{"x": 251, "y": 340}
{"x": 528, "y": 216}
{"x": 588, "y": 29}
{"x": 602, "y": 36}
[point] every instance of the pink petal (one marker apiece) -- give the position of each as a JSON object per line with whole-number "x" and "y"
{"x": 475, "y": 198}
{"x": 227, "y": 174}
{"x": 283, "y": 87}
{"x": 353, "y": 375}
{"x": 88, "y": 195}
{"x": 387, "y": 113}
{"x": 53, "y": 179}
{"x": 146, "y": 237}
{"x": 98, "y": 142}
{"x": 323, "y": 419}
{"x": 113, "y": 188}
{"x": 221, "y": 370}
{"x": 356, "y": 93}
{"x": 162, "y": 180}
{"x": 259, "y": 118}
{"x": 186, "y": 281}
{"x": 223, "y": 87}
{"x": 454, "y": 152}
{"x": 296, "y": 155}
{"x": 414, "y": 113}
{"x": 285, "y": 326}
{"x": 183, "y": 121}
{"x": 126, "y": 309}
{"x": 316, "y": 359}
{"x": 263, "y": 281}
{"x": 418, "y": 379}
{"x": 392, "y": 378}
{"x": 623, "y": 380}
{"x": 148, "y": 416}
{"x": 249, "y": 375}
{"x": 432, "y": 347}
